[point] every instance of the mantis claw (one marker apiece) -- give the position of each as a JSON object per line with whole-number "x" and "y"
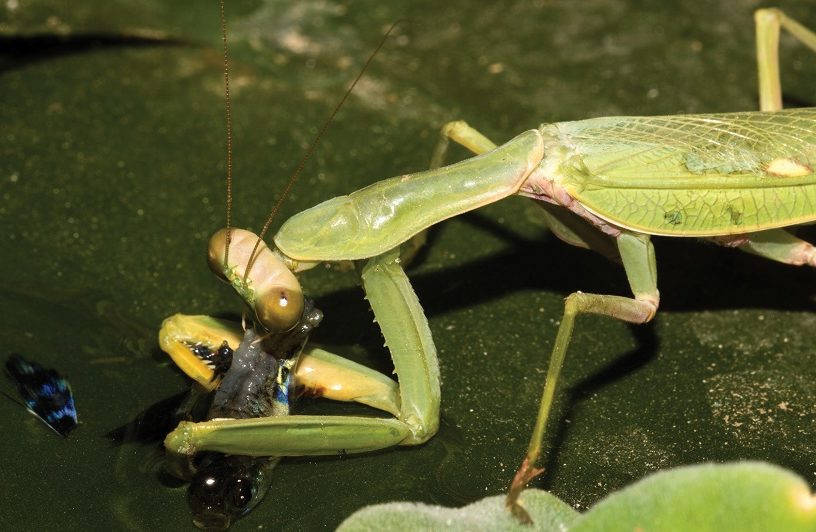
{"x": 180, "y": 441}
{"x": 523, "y": 476}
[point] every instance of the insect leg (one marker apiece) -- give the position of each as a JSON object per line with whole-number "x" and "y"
{"x": 781, "y": 246}
{"x": 576, "y": 231}
{"x": 768, "y": 23}
{"x": 324, "y": 374}
{"x": 286, "y": 435}
{"x": 195, "y": 344}
{"x": 638, "y": 258}
{"x": 461, "y": 133}
{"x": 408, "y": 338}
{"x": 186, "y": 337}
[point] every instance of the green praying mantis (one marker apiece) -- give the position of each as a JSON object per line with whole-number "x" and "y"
{"x": 606, "y": 184}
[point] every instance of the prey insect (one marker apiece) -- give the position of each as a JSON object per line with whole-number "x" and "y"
{"x": 255, "y": 383}
{"x": 607, "y": 184}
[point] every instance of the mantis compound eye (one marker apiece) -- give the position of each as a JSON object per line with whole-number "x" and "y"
{"x": 280, "y": 308}
{"x": 270, "y": 288}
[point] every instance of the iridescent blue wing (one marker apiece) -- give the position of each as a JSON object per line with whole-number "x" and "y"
{"x": 45, "y": 393}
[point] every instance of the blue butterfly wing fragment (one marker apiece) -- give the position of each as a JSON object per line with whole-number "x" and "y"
{"x": 45, "y": 393}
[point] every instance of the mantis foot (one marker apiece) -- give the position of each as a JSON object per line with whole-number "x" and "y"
{"x": 524, "y": 475}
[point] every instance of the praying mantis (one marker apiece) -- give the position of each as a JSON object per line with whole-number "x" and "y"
{"x": 737, "y": 179}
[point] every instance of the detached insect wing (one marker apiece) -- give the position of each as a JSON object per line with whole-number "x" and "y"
{"x": 45, "y": 393}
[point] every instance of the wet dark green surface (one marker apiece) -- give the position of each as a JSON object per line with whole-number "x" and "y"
{"x": 111, "y": 172}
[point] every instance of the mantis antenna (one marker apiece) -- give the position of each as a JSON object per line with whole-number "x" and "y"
{"x": 228, "y": 110}
{"x": 309, "y": 151}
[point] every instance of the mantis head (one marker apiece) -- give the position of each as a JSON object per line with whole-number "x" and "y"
{"x": 269, "y": 287}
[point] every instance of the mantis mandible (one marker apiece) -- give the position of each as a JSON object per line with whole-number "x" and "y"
{"x": 607, "y": 184}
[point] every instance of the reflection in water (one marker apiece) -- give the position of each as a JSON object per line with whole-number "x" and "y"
{"x": 226, "y": 487}
{"x": 253, "y": 384}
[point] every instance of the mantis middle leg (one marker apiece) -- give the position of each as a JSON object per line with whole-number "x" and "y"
{"x": 637, "y": 254}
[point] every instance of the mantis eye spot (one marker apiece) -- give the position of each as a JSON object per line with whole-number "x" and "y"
{"x": 673, "y": 217}
{"x": 782, "y": 167}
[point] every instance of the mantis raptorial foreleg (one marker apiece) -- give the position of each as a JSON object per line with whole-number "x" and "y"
{"x": 408, "y": 338}
{"x": 322, "y": 373}
{"x": 318, "y": 372}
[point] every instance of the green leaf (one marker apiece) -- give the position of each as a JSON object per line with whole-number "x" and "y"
{"x": 546, "y": 511}
{"x": 749, "y": 496}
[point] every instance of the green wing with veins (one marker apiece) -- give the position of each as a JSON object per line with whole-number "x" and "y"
{"x": 691, "y": 175}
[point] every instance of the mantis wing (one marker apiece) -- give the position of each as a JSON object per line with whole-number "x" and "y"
{"x": 691, "y": 175}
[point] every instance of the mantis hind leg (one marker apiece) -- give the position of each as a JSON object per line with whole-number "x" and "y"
{"x": 781, "y": 246}
{"x": 638, "y": 258}
{"x": 768, "y": 24}
{"x": 461, "y": 133}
